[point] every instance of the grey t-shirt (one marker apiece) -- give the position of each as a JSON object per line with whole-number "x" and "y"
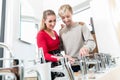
{"x": 75, "y": 37}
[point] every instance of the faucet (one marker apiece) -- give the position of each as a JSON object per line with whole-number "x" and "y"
{"x": 83, "y": 65}
{"x": 15, "y": 64}
{"x": 103, "y": 60}
{"x": 38, "y": 74}
{"x": 97, "y": 66}
{"x": 66, "y": 66}
{"x": 108, "y": 60}
{"x": 40, "y": 56}
{"x": 3, "y": 45}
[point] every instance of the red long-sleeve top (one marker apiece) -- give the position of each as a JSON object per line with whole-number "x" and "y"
{"x": 45, "y": 41}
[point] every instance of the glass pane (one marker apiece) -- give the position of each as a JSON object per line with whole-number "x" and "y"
{"x": 84, "y": 16}
{"x": 0, "y": 14}
{"x": 28, "y": 31}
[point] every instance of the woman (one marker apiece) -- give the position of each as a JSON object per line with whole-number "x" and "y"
{"x": 48, "y": 39}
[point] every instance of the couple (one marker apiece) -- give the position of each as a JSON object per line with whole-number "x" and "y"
{"x": 74, "y": 37}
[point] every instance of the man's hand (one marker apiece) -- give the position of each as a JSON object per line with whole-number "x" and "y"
{"x": 84, "y": 51}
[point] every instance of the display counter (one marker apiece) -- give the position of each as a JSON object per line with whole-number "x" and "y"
{"x": 112, "y": 73}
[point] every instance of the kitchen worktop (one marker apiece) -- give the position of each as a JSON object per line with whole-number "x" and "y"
{"x": 110, "y": 73}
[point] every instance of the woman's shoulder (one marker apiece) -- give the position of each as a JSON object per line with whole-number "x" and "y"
{"x": 41, "y": 32}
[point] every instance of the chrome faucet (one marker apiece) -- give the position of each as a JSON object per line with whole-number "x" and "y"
{"x": 13, "y": 64}
{"x": 67, "y": 67}
{"x": 40, "y": 56}
{"x": 83, "y": 65}
{"x": 98, "y": 65}
{"x": 38, "y": 74}
{"x": 108, "y": 60}
{"x": 3, "y": 45}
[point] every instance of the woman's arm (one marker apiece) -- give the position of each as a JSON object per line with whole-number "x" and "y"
{"x": 42, "y": 43}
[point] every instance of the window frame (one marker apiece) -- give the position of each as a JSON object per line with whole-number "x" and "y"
{"x": 24, "y": 32}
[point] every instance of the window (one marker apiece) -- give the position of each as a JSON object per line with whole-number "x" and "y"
{"x": 28, "y": 23}
{"x": 0, "y": 14}
{"x": 28, "y": 30}
{"x": 84, "y": 16}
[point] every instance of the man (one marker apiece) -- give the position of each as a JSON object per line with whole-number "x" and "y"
{"x": 77, "y": 41}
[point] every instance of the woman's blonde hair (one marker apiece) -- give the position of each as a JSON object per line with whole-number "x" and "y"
{"x": 45, "y": 14}
{"x": 64, "y": 8}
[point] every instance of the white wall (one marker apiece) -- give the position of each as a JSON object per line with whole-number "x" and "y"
{"x": 37, "y": 5}
{"x": 105, "y": 33}
{"x": 12, "y": 33}
{"x": 41, "y": 5}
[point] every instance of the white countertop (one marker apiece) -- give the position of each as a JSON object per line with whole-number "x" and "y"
{"x": 112, "y": 73}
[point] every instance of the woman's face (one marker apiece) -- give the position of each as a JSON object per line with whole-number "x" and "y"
{"x": 67, "y": 18}
{"x": 50, "y": 21}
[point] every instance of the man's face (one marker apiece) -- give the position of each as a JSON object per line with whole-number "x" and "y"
{"x": 67, "y": 18}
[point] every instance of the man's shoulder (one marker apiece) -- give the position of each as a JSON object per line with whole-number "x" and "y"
{"x": 81, "y": 23}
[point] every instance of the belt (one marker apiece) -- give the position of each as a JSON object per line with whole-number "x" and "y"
{"x": 55, "y": 52}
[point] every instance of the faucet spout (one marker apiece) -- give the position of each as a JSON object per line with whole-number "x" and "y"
{"x": 3, "y": 45}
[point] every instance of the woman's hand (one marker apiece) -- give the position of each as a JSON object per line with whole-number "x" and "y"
{"x": 57, "y": 57}
{"x": 62, "y": 26}
{"x": 72, "y": 60}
